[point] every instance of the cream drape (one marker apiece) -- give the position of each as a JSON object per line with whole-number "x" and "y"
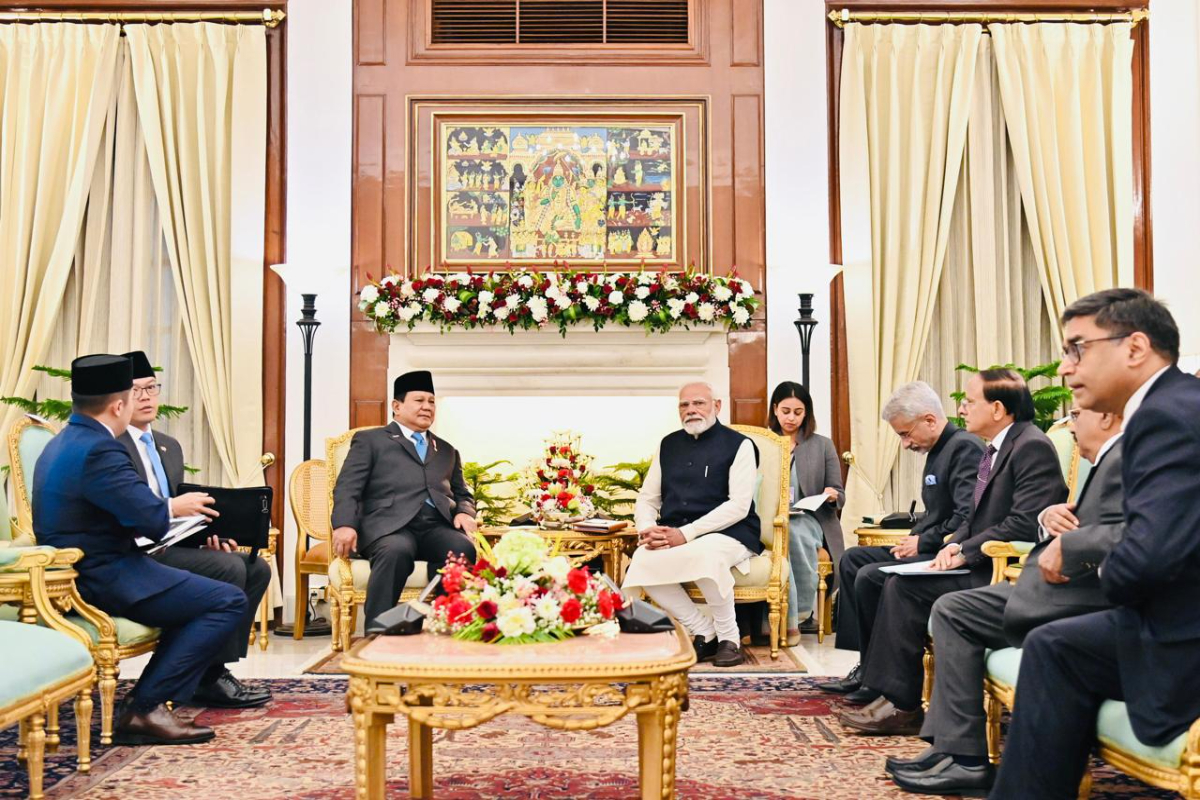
{"x": 201, "y": 98}
{"x": 905, "y": 99}
{"x": 56, "y": 87}
{"x": 1067, "y": 96}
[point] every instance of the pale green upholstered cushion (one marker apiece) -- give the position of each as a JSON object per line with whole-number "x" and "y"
{"x": 10, "y": 613}
{"x": 9, "y": 555}
{"x": 5, "y": 522}
{"x": 36, "y": 658}
{"x": 1064, "y": 445}
{"x": 128, "y": 631}
{"x": 1002, "y": 665}
{"x": 759, "y": 574}
{"x": 1023, "y": 547}
{"x": 361, "y": 569}
{"x": 33, "y": 441}
{"x": 1114, "y": 730}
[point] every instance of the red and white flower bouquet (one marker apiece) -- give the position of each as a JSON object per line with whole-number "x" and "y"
{"x": 557, "y": 487}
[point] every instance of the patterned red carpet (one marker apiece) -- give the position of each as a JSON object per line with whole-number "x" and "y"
{"x": 766, "y": 737}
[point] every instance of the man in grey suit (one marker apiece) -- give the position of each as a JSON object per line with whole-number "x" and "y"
{"x": 400, "y": 496}
{"x": 158, "y": 459}
{"x": 1059, "y": 580}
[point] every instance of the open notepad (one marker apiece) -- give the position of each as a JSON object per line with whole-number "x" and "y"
{"x": 811, "y": 503}
{"x": 181, "y": 528}
{"x": 921, "y": 568}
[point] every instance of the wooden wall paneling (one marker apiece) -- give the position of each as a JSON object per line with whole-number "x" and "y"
{"x": 145, "y": 5}
{"x": 839, "y": 372}
{"x": 370, "y": 33}
{"x": 369, "y": 255}
{"x": 746, "y": 24}
{"x": 1143, "y": 241}
{"x": 748, "y": 389}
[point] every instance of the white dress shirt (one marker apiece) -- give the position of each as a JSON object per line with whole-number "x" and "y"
{"x": 742, "y": 475}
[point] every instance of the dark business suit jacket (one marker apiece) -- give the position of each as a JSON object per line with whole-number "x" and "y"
{"x": 87, "y": 494}
{"x": 169, "y": 450}
{"x": 1153, "y": 574}
{"x": 1101, "y": 518}
{"x": 1024, "y": 480}
{"x": 383, "y": 483}
{"x": 948, "y": 487}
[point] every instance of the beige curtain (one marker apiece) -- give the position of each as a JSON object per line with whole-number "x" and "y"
{"x": 201, "y": 98}
{"x": 906, "y": 93}
{"x": 1067, "y": 97}
{"x": 56, "y": 87}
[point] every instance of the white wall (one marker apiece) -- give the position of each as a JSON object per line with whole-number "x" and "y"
{"x": 320, "y": 96}
{"x": 797, "y": 192}
{"x": 1175, "y": 164}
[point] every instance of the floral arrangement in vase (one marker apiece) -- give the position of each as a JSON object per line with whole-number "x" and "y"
{"x": 527, "y": 299}
{"x": 520, "y": 592}
{"x": 557, "y": 487}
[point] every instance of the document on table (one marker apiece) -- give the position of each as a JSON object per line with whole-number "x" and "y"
{"x": 811, "y": 503}
{"x": 181, "y": 528}
{"x": 921, "y": 568}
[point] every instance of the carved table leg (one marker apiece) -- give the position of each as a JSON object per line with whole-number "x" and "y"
{"x": 420, "y": 757}
{"x": 650, "y": 752}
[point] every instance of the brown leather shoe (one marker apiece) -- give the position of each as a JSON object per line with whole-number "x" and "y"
{"x": 158, "y": 726}
{"x": 881, "y": 718}
{"x": 728, "y": 655}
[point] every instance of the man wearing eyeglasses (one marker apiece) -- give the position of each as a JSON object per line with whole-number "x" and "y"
{"x": 158, "y": 459}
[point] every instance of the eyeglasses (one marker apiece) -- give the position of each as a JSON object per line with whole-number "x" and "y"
{"x": 1073, "y": 351}
{"x": 150, "y": 391}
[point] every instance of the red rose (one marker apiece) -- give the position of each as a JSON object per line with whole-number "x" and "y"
{"x": 577, "y": 581}
{"x": 457, "y": 610}
{"x": 564, "y": 451}
{"x": 588, "y": 488}
{"x": 551, "y": 449}
{"x": 564, "y": 473}
{"x": 490, "y": 632}
{"x": 480, "y": 567}
{"x": 487, "y": 610}
{"x": 500, "y": 572}
{"x": 564, "y": 498}
{"x": 452, "y": 582}
{"x": 571, "y": 610}
{"x": 604, "y": 604}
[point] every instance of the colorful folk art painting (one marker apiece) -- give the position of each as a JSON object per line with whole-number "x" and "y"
{"x": 529, "y": 193}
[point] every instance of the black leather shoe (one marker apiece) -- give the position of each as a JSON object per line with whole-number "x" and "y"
{"x": 846, "y": 685}
{"x": 157, "y": 726}
{"x": 228, "y": 692}
{"x": 809, "y": 625}
{"x": 920, "y": 764}
{"x": 951, "y": 779}
{"x": 705, "y": 650}
{"x": 861, "y": 696}
{"x": 729, "y": 654}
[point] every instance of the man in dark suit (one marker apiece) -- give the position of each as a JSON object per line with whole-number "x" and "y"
{"x": 1075, "y": 537}
{"x": 158, "y": 460}
{"x": 916, "y": 415}
{"x": 1018, "y": 477}
{"x": 1120, "y": 354}
{"x": 86, "y": 494}
{"x": 400, "y": 496}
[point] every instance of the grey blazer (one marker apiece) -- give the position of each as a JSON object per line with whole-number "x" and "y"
{"x": 383, "y": 483}
{"x": 169, "y": 450}
{"x": 815, "y": 466}
{"x": 1101, "y": 525}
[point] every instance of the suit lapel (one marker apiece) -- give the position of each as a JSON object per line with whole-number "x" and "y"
{"x": 1091, "y": 476}
{"x": 407, "y": 444}
{"x": 1006, "y": 449}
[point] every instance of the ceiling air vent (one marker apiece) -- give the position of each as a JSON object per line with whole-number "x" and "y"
{"x": 553, "y": 22}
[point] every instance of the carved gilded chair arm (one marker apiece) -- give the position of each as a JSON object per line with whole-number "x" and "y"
{"x": 25, "y": 559}
{"x": 1001, "y": 552}
{"x": 21, "y": 536}
{"x": 779, "y": 546}
{"x": 54, "y": 613}
{"x": 344, "y": 573}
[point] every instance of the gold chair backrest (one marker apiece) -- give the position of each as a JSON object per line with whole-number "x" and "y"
{"x": 308, "y": 494}
{"x": 1068, "y": 454}
{"x": 27, "y": 439}
{"x": 771, "y": 502}
{"x": 336, "y": 450}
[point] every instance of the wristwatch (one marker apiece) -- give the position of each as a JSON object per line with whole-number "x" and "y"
{"x": 958, "y": 550}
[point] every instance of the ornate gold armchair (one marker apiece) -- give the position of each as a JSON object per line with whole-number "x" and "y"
{"x": 308, "y": 494}
{"x": 768, "y": 577}
{"x": 27, "y": 439}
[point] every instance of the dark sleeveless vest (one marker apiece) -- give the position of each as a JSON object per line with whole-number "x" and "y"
{"x": 695, "y": 480}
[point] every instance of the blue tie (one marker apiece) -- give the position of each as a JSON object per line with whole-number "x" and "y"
{"x": 422, "y": 449}
{"x": 160, "y": 474}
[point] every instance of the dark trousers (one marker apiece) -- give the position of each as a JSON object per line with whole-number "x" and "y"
{"x": 893, "y": 662}
{"x": 427, "y": 538}
{"x": 860, "y": 583}
{"x": 197, "y": 616}
{"x": 964, "y": 624}
{"x": 1068, "y": 668}
{"x": 236, "y": 569}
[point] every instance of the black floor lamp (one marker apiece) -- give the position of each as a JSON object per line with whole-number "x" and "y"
{"x": 804, "y": 326}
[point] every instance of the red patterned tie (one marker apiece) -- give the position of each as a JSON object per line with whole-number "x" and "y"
{"x": 985, "y": 472}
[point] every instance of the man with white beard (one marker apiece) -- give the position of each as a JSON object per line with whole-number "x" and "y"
{"x": 696, "y": 522}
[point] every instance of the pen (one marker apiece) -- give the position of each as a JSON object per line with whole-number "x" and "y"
{"x": 706, "y": 470}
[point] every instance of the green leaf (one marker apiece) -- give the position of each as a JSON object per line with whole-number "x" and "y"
{"x": 54, "y": 371}
{"x": 57, "y": 410}
{"x": 171, "y": 412}
{"x": 190, "y": 470}
{"x": 28, "y": 406}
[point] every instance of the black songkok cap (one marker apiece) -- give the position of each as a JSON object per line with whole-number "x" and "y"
{"x": 419, "y": 381}
{"x": 101, "y": 374}
{"x": 141, "y": 365}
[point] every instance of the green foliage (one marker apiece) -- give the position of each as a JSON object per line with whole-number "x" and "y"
{"x": 171, "y": 412}
{"x": 190, "y": 470}
{"x": 616, "y": 493}
{"x": 1048, "y": 401}
{"x": 484, "y": 484}
{"x": 60, "y": 410}
{"x": 65, "y": 374}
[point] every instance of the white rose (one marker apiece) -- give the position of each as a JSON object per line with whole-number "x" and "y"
{"x": 611, "y": 280}
{"x": 722, "y": 293}
{"x": 582, "y": 287}
{"x": 616, "y": 298}
{"x": 489, "y": 592}
{"x": 390, "y": 280}
{"x": 642, "y": 292}
{"x": 499, "y": 311}
{"x": 670, "y": 284}
{"x": 415, "y": 308}
{"x": 508, "y": 602}
{"x": 369, "y": 294}
{"x": 517, "y": 622}
{"x": 691, "y": 298}
{"x": 562, "y": 301}
{"x": 430, "y": 294}
{"x": 451, "y": 304}
{"x": 461, "y": 277}
{"x": 382, "y": 309}
{"x": 741, "y": 316}
{"x": 638, "y": 311}
{"x": 707, "y": 311}
{"x": 512, "y": 301}
{"x": 406, "y": 288}
{"x": 645, "y": 279}
{"x": 538, "y": 309}
{"x": 406, "y": 313}
{"x": 525, "y": 281}
{"x": 557, "y": 567}
{"x": 592, "y": 303}
{"x": 548, "y": 608}
{"x": 486, "y": 298}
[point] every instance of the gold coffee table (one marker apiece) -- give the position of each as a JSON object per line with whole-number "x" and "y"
{"x": 582, "y": 683}
{"x": 583, "y": 547}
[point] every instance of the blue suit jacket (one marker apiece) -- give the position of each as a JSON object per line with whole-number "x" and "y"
{"x": 86, "y": 494}
{"x": 1153, "y": 574}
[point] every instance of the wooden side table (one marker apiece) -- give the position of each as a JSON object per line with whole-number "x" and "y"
{"x": 579, "y": 684}
{"x": 875, "y": 536}
{"x": 583, "y": 547}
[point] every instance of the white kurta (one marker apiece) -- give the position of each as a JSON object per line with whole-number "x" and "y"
{"x": 707, "y": 553}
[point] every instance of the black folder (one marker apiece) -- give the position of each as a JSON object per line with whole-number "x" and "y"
{"x": 245, "y": 516}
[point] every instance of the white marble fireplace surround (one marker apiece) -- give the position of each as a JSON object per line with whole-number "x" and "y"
{"x": 500, "y": 395}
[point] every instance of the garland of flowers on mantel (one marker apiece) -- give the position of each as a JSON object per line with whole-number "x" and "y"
{"x": 531, "y": 300}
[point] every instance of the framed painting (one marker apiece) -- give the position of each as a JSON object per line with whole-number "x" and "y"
{"x": 516, "y": 184}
